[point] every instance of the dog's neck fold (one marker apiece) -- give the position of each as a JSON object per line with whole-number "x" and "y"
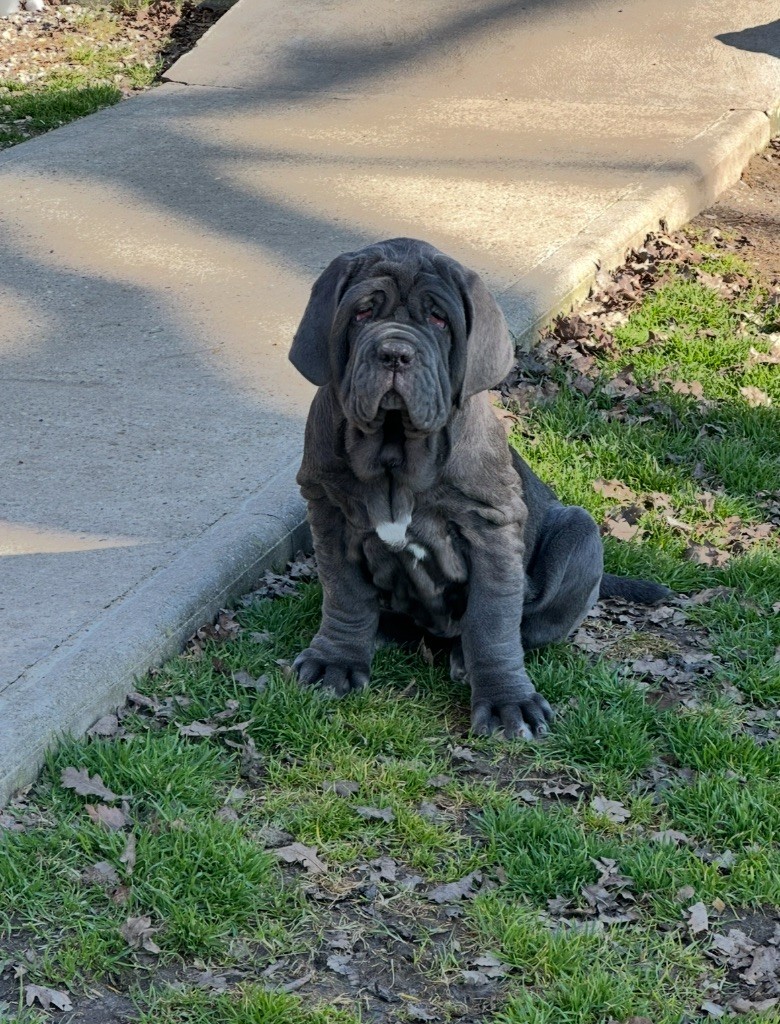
{"x": 393, "y": 467}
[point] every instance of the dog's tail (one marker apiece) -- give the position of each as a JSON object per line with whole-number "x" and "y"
{"x": 640, "y": 591}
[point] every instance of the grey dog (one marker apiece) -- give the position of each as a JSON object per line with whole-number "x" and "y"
{"x": 417, "y": 504}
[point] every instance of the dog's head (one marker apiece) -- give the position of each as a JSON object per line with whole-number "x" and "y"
{"x": 399, "y": 325}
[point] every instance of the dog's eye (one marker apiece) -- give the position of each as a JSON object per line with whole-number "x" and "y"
{"x": 363, "y": 314}
{"x": 437, "y": 321}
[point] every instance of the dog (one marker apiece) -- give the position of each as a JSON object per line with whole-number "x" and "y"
{"x": 417, "y": 504}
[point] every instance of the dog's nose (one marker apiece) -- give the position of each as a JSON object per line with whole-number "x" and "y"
{"x": 395, "y": 354}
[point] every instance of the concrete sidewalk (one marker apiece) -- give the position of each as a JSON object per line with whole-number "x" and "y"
{"x": 155, "y": 257}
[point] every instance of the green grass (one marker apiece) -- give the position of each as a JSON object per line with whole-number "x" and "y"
{"x": 219, "y": 898}
{"x": 92, "y": 60}
{"x": 250, "y": 1005}
{"x": 43, "y": 110}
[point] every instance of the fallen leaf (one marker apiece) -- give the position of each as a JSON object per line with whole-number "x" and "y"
{"x": 297, "y": 853}
{"x": 612, "y": 809}
{"x": 624, "y": 525}
{"x": 208, "y": 980}
{"x": 80, "y": 782}
{"x": 713, "y": 1009}
{"x": 711, "y": 594}
{"x": 341, "y": 963}
{"x": 226, "y": 814}
{"x": 669, "y": 835}
{"x": 341, "y": 787}
{"x": 296, "y": 983}
{"x": 706, "y": 554}
{"x": 137, "y": 932}
{"x": 740, "y": 1005}
{"x": 462, "y": 754}
{"x": 558, "y": 789}
{"x": 614, "y": 489}
{"x": 250, "y": 682}
{"x": 698, "y": 920}
{"x": 772, "y": 356}
{"x": 101, "y": 873}
{"x": 128, "y": 856}
{"x": 105, "y": 726}
{"x": 111, "y": 818}
{"x": 47, "y": 997}
{"x": 415, "y": 1012}
{"x": 528, "y": 797}
{"x": 694, "y": 388}
{"x": 462, "y": 889}
{"x": 376, "y": 813}
{"x": 476, "y": 978}
{"x": 273, "y": 837}
{"x": 197, "y": 729}
{"x": 492, "y": 966}
{"x": 439, "y": 781}
{"x": 755, "y": 397}
{"x": 766, "y": 964}
{"x": 384, "y": 870}
{"x": 430, "y": 811}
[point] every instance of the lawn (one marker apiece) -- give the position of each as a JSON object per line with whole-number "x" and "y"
{"x": 74, "y": 59}
{"x": 255, "y": 853}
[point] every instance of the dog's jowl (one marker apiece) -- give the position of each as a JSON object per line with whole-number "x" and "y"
{"x": 417, "y": 504}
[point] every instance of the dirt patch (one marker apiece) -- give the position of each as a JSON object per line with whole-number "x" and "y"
{"x": 751, "y": 210}
{"x": 125, "y": 45}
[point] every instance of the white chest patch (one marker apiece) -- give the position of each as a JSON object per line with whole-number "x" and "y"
{"x": 394, "y": 533}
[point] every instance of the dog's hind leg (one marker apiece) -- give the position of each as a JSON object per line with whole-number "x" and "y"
{"x": 564, "y": 575}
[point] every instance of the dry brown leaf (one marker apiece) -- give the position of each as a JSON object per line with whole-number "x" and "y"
{"x": 707, "y": 554}
{"x": 376, "y": 813}
{"x": 197, "y": 729}
{"x": 698, "y": 919}
{"x": 713, "y": 1009}
{"x": 79, "y": 781}
{"x": 128, "y": 856}
{"x": 623, "y": 525}
{"x": 273, "y": 837}
{"x": 111, "y": 818}
{"x": 47, "y": 997}
{"x": 755, "y": 397}
{"x": 694, "y": 388}
{"x": 612, "y": 809}
{"x": 297, "y": 853}
{"x": 572, "y": 789}
{"x": 106, "y": 726}
{"x": 462, "y": 754}
{"x": 772, "y": 356}
{"x": 614, "y": 489}
{"x": 101, "y": 873}
{"x": 137, "y": 932}
{"x": 462, "y": 889}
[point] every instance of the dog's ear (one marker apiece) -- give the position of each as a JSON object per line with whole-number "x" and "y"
{"x": 485, "y": 356}
{"x": 310, "y": 352}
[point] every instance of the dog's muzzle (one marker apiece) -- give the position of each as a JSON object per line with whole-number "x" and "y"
{"x": 395, "y": 368}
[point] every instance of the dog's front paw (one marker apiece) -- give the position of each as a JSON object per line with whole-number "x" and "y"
{"x": 525, "y": 718}
{"x": 332, "y": 675}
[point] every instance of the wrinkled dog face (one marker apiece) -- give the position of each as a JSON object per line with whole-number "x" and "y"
{"x": 401, "y": 326}
{"x": 399, "y": 350}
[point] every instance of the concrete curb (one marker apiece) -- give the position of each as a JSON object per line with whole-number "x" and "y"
{"x": 716, "y": 161}
{"x": 91, "y": 673}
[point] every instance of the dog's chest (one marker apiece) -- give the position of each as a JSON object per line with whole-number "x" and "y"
{"x": 418, "y": 564}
